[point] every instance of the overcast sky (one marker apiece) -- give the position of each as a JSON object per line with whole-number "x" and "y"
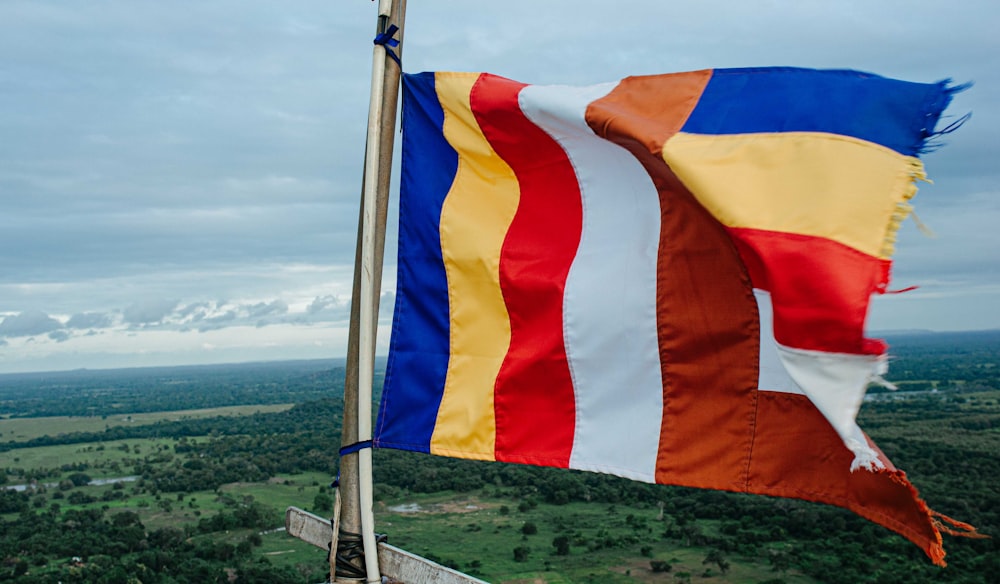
{"x": 179, "y": 180}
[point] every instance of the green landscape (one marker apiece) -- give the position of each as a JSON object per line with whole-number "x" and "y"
{"x": 182, "y": 474}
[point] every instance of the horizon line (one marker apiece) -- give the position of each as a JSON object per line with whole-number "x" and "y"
{"x": 382, "y": 357}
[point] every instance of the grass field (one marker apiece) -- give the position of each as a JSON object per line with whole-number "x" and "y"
{"x": 977, "y": 430}
{"x": 279, "y": 493}
{"x": 283, "y": 550}
{"x": 478, "y": 535}
{"x": 475, "y": 533}
{"x": 21, "y": 429}
{"x": 98, "y": 456}
{"x": 283, "y": 491}
{"x": 177, "y": 510}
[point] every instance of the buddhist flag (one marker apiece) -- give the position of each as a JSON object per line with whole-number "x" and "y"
{"x": 664, "y": 278}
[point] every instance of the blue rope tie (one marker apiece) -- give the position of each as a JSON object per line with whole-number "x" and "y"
{"x": 386, "y": 41}
{"x": 350, "y": 449}
{"x": 357, "y": 446}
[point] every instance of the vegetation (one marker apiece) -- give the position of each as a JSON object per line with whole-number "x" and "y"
{"x": 203, "y": 495}
{"x": 160, "y": 389}
{"x": 22, "y": 429}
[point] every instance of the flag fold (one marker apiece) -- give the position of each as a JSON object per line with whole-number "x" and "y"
{"x": 665, "y": 278}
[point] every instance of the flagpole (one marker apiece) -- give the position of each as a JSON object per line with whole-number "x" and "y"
{"x": 356, "y": 468}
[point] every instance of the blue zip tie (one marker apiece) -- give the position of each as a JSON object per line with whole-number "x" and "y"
{"x": 352, "y": 448}
{"x": 386, "y": 41}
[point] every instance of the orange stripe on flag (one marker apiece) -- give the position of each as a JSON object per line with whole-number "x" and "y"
{"x": 706, "y": 313}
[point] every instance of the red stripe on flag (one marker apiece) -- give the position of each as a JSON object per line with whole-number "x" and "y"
{"x": 797, "y": 454}
{"x": 534, "y": 399}
{"x": 820, "y": 288}
{"x": 706, "y": 312}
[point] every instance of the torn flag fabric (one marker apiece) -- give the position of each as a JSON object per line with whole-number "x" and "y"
{"x": 664, "y": 278}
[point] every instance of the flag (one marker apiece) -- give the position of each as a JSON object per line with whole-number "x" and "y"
{"x": 665, "y": 278}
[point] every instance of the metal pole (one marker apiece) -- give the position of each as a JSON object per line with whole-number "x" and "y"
{"x": 356, "y": 470}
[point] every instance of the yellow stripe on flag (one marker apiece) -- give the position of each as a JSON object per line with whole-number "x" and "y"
{"x": 474, "y": 220}
{"x": 811, "y": 183}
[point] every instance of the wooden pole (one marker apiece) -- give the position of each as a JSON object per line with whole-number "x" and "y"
{"x": 355, "y": 469}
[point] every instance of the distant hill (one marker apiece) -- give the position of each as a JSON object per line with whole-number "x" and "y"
{"x": 898, "y": 340}
{"x": 181, "y": 370}
{"x": 150, "y": 389}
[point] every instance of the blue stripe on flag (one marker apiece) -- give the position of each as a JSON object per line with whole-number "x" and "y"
{"x": 419, "y": 349}
{"x": 850, "y": 103}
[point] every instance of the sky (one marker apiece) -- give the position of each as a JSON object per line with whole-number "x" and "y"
{"x": 179, "y": 181}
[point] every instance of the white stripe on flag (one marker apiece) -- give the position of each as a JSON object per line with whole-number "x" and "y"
{"x": 835, "y": 383}
{"x": 609, "y": 311}
{"x": 773, "y": 376}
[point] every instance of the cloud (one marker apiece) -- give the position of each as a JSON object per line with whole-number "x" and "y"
{"x": 148, "y": 311}
{"x": 386, "y": 306}
{"x": 89, "y": 320}
{"x": 322, "y": 309}
{"x": 321, "y": 303}
{"x": 262, "y": 309}
{"x": 194, "y": 311}
{"x": 223, "y": 320}
{"x": 201, "y": 315}
{"x": 28, "y": 323}
{"x": 59, "y": 336}
{"x": 244, "y": 185}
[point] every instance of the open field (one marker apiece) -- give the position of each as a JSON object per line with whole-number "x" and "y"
{"x": 278, "y": 493}
{"x": 608, "y": 543}
{"x": 475, "y": 533}
{"x": 217, "y": 493}
{"x": 21, "y": 429}
{"x": 970, "y": 421}
{"x": 283, "y": 491}
{"x": 103, "y": 459}
{"x": 282, "y": 550}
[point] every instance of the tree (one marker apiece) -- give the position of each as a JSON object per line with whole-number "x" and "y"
{"x": 79, "y": 479}
{"x": 561, "y": 543}
{"x": 322, "y": 502}
{"x": 166, "y": 538}
{"x": 715, "y": 557}
{"x": 691, "y": 533}
{"x": 12, "y": 501}
{"x": 521, "y": 553}
{"x": 780, "y": 560}
{"x": 529, "y": 528}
